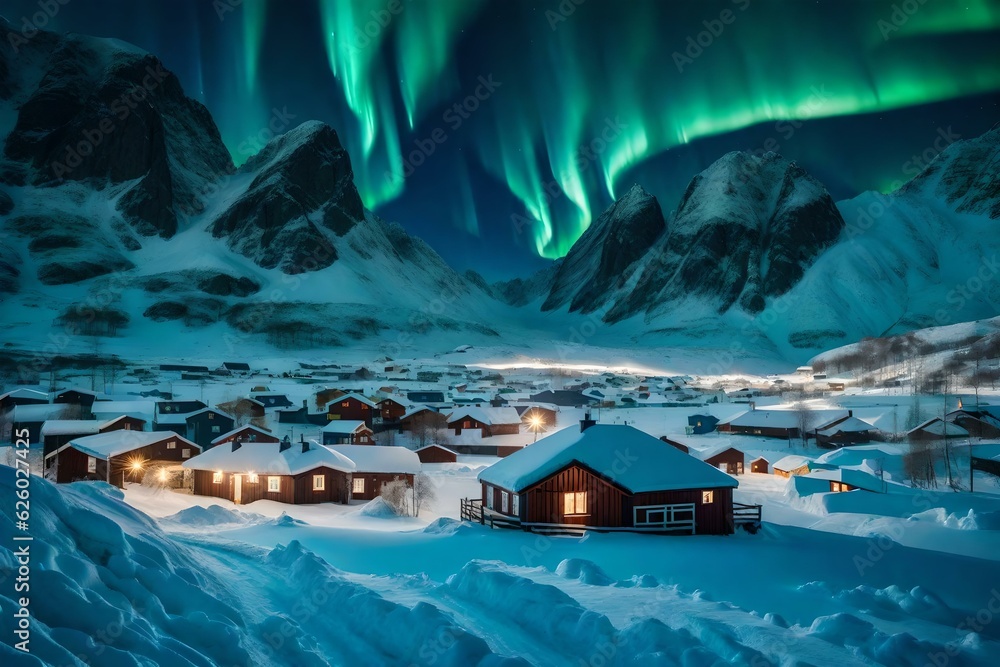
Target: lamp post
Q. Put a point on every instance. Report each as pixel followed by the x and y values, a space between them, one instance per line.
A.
pixel 536 425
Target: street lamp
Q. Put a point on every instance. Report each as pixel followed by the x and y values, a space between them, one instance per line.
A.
pixel 134 466
pixel 535 423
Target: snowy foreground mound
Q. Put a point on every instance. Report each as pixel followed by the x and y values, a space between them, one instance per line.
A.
pixel 110 586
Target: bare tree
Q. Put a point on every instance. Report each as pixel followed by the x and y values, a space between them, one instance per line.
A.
pixel 424 492
pixel 386 438
pixel 396 495
pixel 428 427
pixel 918 464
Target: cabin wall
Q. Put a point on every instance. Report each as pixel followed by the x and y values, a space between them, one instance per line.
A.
pixel 544 501
pixel 436 455
pixel 715 518
pixel 504 429
pixel 733 458
pixel 337 487
pixel 152 454
pixel 70 465
pixel 374 482
pixel 354 410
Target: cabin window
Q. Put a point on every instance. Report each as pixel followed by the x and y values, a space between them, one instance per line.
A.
pixel 504 502
pixel 489 497
pixel 186 453
pixel 273 484
pixel 516 509
pixel 467 424
pixel 345 404
pixel 575 502
pixel 253 478
pixel 319 482
pixel 91 464
pixel 836 487
pixel 216 478
pixel 739 467
pixel 172 444
pixel 215 429
pixel 211 415
pixel 707 497
pixel 358 485
pixel 128 427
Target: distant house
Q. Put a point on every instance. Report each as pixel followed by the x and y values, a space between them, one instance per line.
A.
pixel 793 464
pixel 391 410
pixel 118 456
pixel 701 424
pixel 488 421
pixel 436 454
pixel 564 398
pixel 978 423
pixel 271 400
pixel 936 429
pixel 530 412
pixel 57 432
pixel 297 473
pixel 348 432
pixel 376 466
pixel 144 410
pixel 837 480
pixel 202 426
pixel 352 406
pixel 245 434
pixel 760 464
pixel 576 477
pixel 244 408
pixel 425 396
pixel 22 396
pixel 236 366
pixel 81 397
pixel 419 415
pixel 30 417
pixel 843 431
pixel 768 423
pixel 727 459
pixel 178 407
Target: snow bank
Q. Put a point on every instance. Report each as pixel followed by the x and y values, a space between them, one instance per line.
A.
pixel 421 635
pixel 900 649
pixel 109 588
pixel 378 509
pixel 213 515
pixel 584 570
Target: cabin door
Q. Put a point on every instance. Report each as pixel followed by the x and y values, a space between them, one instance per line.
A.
pixel 237 489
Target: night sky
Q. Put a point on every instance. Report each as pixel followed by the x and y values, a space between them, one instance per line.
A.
pixel 561 106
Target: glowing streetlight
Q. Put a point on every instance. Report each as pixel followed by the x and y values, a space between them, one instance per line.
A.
pixel 535 423
pixel 135 465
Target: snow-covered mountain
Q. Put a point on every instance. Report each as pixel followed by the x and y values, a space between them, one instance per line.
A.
pixel 123 212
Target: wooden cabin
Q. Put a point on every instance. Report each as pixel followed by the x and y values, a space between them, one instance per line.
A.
pixel 766 423
pixel 978 423
pixel 488 421
pixel 760 464
pixel 22 396
pixel 117 456
pixel 609 476
pixel 245 435
pixel 352 407
pixel 295 473
pixel 391 410
pixel 31 416
pixel 376 466
pixel 419 416
pixel 701 424
pixel 726 458
pixel 436 454
pixel 936 429
pixel 244 407
pixel 271 400
pixel 348 432
pixel 844 431
pixel 57 432
pixel 81 397
pixel 792 464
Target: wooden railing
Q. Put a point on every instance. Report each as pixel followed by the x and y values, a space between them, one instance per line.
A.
pixel 678 517
pixel 747 516
pixel 472 510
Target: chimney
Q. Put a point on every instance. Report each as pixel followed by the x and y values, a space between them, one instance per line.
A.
pixel 586 422
pixel 305 444
pixel 285 444
pixel 850 413
pixel 236 445
pixel 753 405
pixel 305 403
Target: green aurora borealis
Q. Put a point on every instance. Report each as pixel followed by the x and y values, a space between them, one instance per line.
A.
pixel 592 95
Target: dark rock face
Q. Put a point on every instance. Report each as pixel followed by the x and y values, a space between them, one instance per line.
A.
pixel 745 230
pixel 619 238
pixel 304 187
pixel 105 115
pixel 966 173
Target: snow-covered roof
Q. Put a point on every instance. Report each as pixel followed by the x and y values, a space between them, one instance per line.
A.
pixel 416 408
pixel 791 462
pixel 344 426
pixel 629 457
pixel 38 412
pixel 849 425
pixel 789 419
pixel 709 452
pixel 858 478
pixel 436 446
pixel 24 392
pixel 351 394
pixel 71 426
pixel 115 443
pixel 140 409
pixel 268 459
pixel 375 458
pixel 245 427
pixel 935 426
pixel 490 416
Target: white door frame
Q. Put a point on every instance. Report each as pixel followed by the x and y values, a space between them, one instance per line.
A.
pixel 237 489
